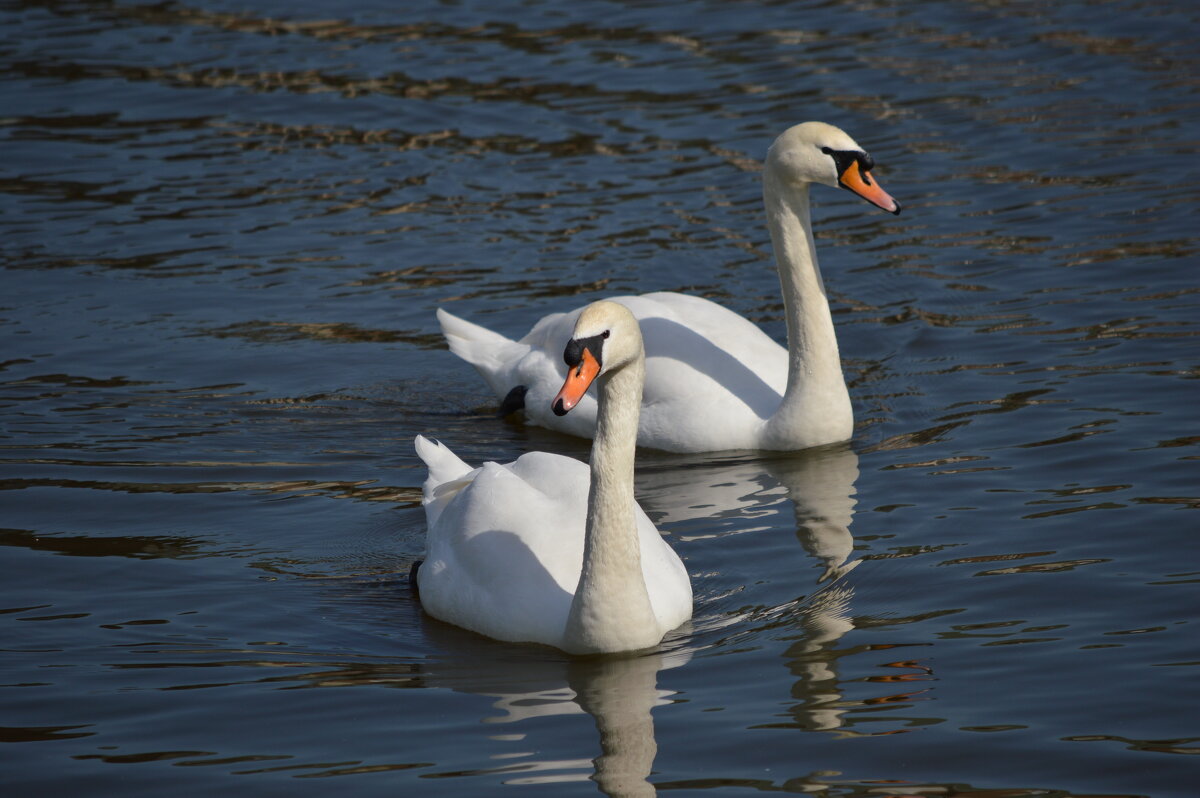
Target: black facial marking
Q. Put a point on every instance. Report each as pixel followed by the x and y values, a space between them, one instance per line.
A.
pixel 843 159
pixel 573 354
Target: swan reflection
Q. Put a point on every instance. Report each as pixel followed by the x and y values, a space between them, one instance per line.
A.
pixel 820 486
pixel 531 684
pixel 819 483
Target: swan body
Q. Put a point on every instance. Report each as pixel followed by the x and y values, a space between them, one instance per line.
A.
pixel 547 549
pixel 714 380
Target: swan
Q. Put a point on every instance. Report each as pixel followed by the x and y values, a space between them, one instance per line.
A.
pixel 545 549
pixel 714 380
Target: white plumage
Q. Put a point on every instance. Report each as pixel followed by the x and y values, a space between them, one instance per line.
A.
pixel 511 552
pixel 714 380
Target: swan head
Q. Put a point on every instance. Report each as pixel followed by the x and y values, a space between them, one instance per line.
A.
pixel 814 152
pixel 606 338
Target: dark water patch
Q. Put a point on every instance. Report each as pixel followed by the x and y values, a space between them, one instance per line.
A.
pixel 277 331
pixel 82 546
pixel 39 734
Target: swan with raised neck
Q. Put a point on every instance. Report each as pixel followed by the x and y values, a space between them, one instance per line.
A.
pixel 815 408
pixel 546 550
pixel 714 380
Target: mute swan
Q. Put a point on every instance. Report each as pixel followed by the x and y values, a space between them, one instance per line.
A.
pixel 713 379
pixel 509 553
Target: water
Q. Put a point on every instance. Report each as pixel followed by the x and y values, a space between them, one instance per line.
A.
pixel 225 228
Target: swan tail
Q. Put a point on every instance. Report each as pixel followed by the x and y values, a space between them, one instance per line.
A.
pixel 492 355
pixel 448 475
pixel 444 465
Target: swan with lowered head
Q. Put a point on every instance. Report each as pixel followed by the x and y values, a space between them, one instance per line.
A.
pixel 714 380
pixel 546 549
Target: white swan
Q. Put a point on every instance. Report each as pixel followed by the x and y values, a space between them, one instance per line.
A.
pixel 544 549
pixel 713 379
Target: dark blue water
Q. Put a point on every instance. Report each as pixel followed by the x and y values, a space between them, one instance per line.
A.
pixel 224 229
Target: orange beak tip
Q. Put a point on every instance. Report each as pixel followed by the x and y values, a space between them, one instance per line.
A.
pixel 578 379
pixel 862 185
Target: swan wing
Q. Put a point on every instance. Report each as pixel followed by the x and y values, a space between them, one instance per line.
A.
pixel 712 376
pixel 503 555
pixel 505 547
pixel 698 327
pixel 667 580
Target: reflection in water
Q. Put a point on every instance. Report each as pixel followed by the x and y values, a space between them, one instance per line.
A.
pixel 619 694
pixel 819 483
pixel 821 487
pixel 531 683
pixel 824 620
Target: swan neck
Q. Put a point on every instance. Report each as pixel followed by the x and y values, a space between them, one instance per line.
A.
pixel 611 608
pixel 619 398
pixel 814 382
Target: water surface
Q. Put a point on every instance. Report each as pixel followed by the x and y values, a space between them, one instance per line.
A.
pixel 224 229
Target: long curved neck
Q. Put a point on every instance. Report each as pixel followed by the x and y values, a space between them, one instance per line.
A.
pixel 611 608
pixel 816 391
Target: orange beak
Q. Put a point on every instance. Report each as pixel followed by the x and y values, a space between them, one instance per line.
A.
pixel 861 184
pixel 578 379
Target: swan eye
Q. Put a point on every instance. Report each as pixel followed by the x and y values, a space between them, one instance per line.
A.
pixel 573 354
